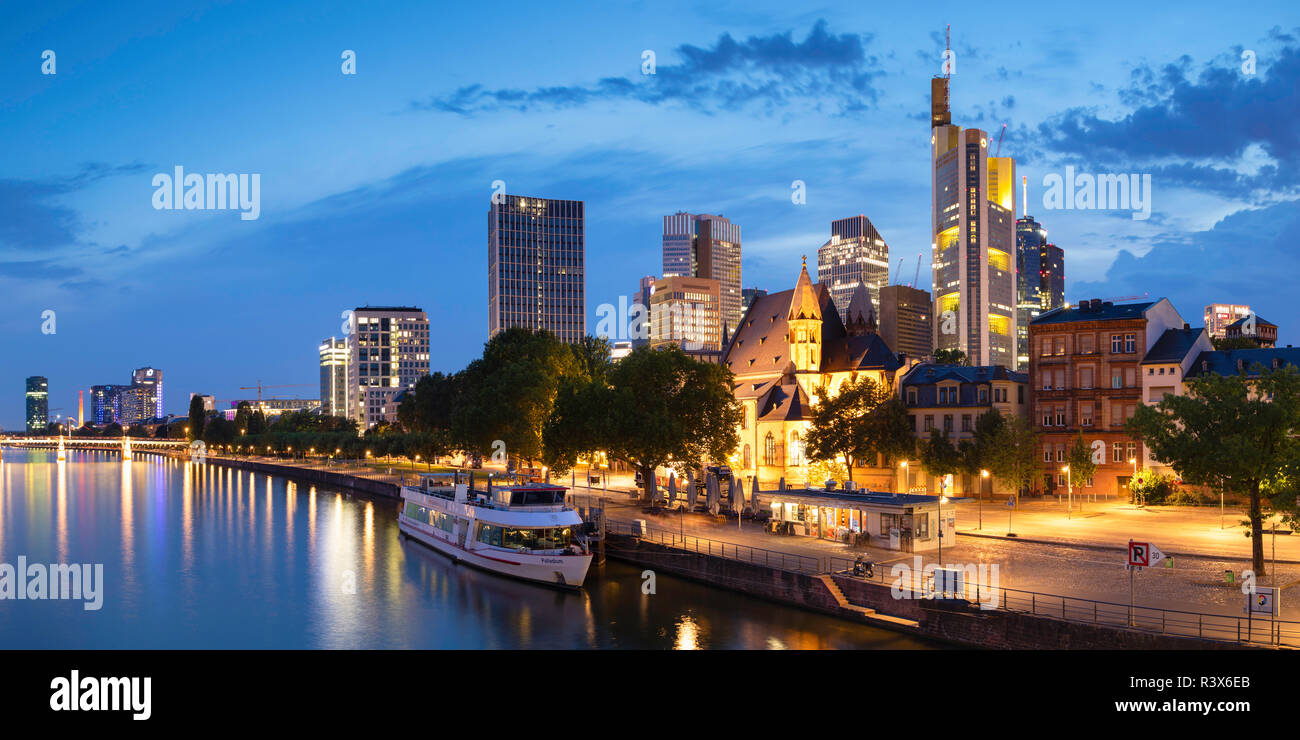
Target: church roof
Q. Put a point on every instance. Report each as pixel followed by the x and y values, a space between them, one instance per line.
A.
pixel 805 303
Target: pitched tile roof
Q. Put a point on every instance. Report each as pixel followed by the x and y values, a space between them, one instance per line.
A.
pixel 1224 362
pixel 1084 312
pixel 1173 345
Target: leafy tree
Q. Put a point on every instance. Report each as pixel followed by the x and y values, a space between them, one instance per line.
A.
pixel 218 431
pixel 197 417
pixel 592 357
pixel 1013 456
pixel 1229 343
pixel 938 457
pixel 659 407
pixel 113 430
pixel 1234 433
pixel 860 421
pixel 430 404
pixel 950 357
pixel 977 453
pixel 1079 458
pixel 510 390
pixel 244 418
pixel 137 430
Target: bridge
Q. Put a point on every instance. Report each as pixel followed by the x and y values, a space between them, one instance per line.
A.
pixel 125 445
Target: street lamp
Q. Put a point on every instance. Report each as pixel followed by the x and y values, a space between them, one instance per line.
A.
pixel 984 476
pixel 942 500
pixel 1133 480
pixel 903 465
pixel 1069 485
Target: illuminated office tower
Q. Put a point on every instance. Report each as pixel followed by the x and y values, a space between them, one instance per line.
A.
pixel 536 266
pixel 1219 315
pixel 706 246
pixel 334 377
pixel 855 254
pixel 974 240
pixel 1040 281
pixel 38 403
pixel 151 380
pixel 388 351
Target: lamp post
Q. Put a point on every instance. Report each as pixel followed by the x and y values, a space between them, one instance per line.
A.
pixel 905 487
pixel 942 500
pixel 1133 481
pixel 1069 488
pixel 984 476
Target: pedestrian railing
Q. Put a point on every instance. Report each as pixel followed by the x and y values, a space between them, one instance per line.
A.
pixel 1247 629
pixel 727 550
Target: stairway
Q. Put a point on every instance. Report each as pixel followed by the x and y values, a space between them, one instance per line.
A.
pixel 871 614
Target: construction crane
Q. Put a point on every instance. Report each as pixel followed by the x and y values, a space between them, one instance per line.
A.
pixel 259 388
pixel 1000 133
pixel 917 275
pixel 898 272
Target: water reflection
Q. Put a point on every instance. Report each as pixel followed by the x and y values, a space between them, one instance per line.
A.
pixel 189 562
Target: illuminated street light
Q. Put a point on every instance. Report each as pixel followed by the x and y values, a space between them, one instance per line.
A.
pixel 1069 507
pixel 984 476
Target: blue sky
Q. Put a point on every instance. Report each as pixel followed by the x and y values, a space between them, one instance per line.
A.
pixel 375 187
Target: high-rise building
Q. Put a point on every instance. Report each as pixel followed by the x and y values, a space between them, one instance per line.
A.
pixel 151 380
pixel 1040 281
pixel 105 403
pixel 38 403
pixel 686 311
pixel 748 296
pixel 639 327
pixel 1218 316
pixel 334 377
pixel 536 266
pixel 706 246
pixel 136 404
pixel 854 254
pixel 905 322
pixel 388 351
pixel 973 226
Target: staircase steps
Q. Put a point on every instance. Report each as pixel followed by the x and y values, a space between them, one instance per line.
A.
pixel 871 614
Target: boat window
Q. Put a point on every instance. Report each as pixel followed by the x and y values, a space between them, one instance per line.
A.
pixel 536 538
pixel 529 497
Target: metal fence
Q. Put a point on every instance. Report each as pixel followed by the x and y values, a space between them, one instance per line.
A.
pixel 727 550
pixel 1231 628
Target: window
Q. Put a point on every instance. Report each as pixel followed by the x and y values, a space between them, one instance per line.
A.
pixel 1047 417
pixel 1132 450
pixel 1085 344
pixel 929 422
pixel 965 422
pixel 1047 453
pixel 1117 452
pixel 1020 394
pixel 796 451
pixel 1116 343
pixel 1085 377
pixel 943 396
pixel 1116 379
pixel 984 395
pixel 1060 416
pixel 911 396
pixel 1060 453
pixel 1059 344
pixel 1130 343
pixel 1047 380
pixel 947 422
pixel 922 526
pixel 1085 415
pixel 748 457
pixel 769 450
pixel 888 522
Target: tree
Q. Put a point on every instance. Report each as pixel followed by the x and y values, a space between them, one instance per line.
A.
pixel 592 357
pixel 938 457
pixel 218 431
pixel 977 453
pixel 860 421
pixel 1229 343
pixel 509 392
pixel 113 430
pixel 197 416
pixel 429 405
pixel 1235 433
pixel 244 417
pixel 659 407
pixel 1014 454
pixel 950 357
pixel 1079 458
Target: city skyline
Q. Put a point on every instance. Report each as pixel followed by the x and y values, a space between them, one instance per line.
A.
pixel 81 240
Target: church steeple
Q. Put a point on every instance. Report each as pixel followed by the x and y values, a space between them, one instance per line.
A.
pixel 860 318
pixel 805 324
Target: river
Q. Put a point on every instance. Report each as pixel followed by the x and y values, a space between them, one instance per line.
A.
pixel 202 556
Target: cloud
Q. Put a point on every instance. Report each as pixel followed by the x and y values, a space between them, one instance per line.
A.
pixel 1197 128
pixel 31 219
pixel 761 71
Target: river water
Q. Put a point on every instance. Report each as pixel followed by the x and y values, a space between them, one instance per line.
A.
pixel 201 556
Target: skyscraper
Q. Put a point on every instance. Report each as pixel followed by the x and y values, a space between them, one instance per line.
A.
pixel 38 404
pixel 685 311
pixel 706 246
pixel 639 327
pixel 973 226
pixel 1040 281
pixel 905 322
pixel 151 380
pixel 334 377
pixel 1219 315
pixel 855 253
pixel 388 351
pixel 105 403
pixel 536 266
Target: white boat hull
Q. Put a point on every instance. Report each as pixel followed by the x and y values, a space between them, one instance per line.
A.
pixel 567 571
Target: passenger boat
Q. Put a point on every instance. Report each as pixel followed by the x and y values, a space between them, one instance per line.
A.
pixel 499 523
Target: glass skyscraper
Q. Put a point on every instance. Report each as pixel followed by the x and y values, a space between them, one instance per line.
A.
pixel 706 246
pixel 38 404
pixel 1040 281
pixel 855 253
pixel 536 266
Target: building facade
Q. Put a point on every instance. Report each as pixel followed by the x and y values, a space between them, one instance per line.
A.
pixel 639 321
pixel 905 321
pixel 706 246
pixel 791 348
pixel 855 253
pixel 150 380
pixel 973 226
pixel 1087 377
pixel 1040 281
pixel 686 311
pixel 1218 316
pixel 37 401
pixel 388 351
pixel 1257 329
pixel 537 266
pixel 334 385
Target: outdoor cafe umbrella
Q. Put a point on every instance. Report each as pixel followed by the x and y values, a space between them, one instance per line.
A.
pixel 651 487
pixel 738 497
pixel 672 488
pixel 714 494
pixel 691 493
